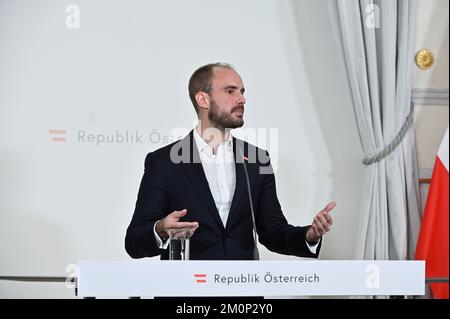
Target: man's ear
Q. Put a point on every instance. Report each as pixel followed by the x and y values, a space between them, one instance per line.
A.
pixel 202 99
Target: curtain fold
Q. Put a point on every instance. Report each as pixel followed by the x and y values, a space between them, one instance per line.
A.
pixel 378 43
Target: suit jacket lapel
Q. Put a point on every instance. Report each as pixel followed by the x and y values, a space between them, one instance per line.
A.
pixel 194 171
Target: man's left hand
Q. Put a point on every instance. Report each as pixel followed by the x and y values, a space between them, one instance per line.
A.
pixel 321 224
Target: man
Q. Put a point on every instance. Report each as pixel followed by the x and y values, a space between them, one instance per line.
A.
pixel 200 183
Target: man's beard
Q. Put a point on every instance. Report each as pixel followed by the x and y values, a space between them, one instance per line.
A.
pixel 223 120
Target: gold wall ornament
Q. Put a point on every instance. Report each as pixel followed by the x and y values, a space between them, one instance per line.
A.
pixel 425 59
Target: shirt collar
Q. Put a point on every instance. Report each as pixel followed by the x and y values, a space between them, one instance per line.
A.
pixel 202 145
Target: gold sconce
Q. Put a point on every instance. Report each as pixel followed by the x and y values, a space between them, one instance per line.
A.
pixel 425 59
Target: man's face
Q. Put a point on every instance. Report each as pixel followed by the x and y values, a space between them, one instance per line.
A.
pixel 226 109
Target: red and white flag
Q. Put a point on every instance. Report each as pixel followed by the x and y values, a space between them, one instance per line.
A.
pixel 432 245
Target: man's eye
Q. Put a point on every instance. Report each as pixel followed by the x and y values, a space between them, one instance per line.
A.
pixel 230 91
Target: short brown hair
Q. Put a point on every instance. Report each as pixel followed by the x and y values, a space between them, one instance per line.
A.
pixel 201 80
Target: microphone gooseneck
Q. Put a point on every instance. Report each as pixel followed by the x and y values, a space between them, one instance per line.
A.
pixel 255 235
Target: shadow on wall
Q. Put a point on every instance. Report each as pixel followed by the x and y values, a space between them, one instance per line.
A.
pixel 315 55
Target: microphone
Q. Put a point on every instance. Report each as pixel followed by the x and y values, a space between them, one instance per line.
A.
pixel 255 234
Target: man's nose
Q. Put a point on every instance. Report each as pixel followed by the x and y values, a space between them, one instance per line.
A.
pixel 241 100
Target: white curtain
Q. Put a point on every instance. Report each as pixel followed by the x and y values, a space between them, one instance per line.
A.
pixel 378 42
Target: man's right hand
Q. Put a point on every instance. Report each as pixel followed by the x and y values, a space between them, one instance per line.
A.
pixel 171 221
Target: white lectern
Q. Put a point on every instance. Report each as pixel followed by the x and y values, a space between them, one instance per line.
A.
pixel 148 278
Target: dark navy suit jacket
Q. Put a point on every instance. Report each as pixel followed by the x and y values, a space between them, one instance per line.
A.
pixel 174 180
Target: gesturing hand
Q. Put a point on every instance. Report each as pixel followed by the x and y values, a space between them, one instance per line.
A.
pixel 171 221
pixel 321 224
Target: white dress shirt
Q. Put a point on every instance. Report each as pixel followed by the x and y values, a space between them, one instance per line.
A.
pixel 220 172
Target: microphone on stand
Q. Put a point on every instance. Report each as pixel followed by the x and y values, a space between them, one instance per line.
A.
pixel 255 234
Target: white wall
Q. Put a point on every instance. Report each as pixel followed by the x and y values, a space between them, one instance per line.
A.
pixel 432 33
pixel 127 68
pixel 431 120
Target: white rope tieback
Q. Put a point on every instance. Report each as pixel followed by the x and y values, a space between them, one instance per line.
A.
pixel 393 145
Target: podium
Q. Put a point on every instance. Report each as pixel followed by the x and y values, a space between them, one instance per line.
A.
pixel 149 278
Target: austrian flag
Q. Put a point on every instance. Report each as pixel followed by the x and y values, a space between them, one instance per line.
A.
pixel 432 245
